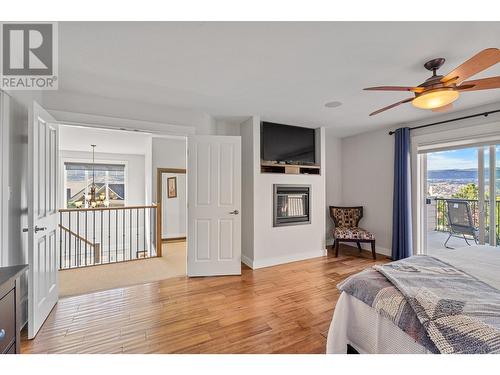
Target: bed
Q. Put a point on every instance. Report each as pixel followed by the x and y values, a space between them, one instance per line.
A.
pixel 359 325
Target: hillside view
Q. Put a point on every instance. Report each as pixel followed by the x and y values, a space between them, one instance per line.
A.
pixel 454 173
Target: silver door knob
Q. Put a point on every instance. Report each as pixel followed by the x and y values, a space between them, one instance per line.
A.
pixel 2 334
pixel 38 229
pixel 235 212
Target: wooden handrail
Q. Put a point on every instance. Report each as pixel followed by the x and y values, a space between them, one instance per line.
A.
pixel 77 235
pixel 104 208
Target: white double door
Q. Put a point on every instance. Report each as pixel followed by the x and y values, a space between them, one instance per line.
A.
pixel 214 204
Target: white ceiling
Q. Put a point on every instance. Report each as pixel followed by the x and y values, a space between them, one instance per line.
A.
pixel 283 71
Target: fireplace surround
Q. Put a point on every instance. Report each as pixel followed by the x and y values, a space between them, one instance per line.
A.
pixel 291 204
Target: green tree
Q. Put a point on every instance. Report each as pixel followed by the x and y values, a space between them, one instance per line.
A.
pixel 469 191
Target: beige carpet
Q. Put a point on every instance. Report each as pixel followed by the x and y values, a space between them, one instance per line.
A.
pixel 111 276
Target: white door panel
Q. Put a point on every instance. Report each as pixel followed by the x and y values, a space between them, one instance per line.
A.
pixel 214 202
pixel 42 217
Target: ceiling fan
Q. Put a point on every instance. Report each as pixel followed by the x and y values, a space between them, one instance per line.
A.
pixel 439 92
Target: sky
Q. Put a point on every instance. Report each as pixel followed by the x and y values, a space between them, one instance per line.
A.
pixel 465 158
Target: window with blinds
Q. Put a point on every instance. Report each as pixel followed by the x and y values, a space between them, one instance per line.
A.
pixel 109 180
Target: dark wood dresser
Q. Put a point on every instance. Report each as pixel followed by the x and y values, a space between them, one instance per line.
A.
pixel 10 310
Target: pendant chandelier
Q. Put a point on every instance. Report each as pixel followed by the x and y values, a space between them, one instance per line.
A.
pixel 92 199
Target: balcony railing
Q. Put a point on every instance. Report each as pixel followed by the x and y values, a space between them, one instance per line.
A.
pixel 441 218
pixel 92 236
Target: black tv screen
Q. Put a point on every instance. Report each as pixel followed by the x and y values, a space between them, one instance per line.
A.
pixel 285 143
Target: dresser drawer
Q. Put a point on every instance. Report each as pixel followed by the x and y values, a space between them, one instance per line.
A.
pixel 7 320
pixel 12 349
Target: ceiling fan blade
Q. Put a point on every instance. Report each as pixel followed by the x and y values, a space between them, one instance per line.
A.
pixel 480 84
pixel 474 65
pixel 391 106
pixel 464 87
pixel 444 108
pixel 395 88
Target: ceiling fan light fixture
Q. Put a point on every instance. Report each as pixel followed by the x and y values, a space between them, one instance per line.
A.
pixel 436 98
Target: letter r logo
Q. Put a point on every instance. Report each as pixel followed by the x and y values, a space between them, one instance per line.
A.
pixel 27 49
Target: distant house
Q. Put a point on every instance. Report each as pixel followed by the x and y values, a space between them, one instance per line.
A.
pixel 116 193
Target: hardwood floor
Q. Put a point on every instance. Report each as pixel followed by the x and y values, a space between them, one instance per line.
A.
pixel 281 309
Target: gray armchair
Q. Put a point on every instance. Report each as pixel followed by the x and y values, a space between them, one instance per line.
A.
pixel 460 221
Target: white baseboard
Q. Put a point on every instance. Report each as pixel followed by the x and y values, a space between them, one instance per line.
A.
pixel 383 251
pixel 246 260
pixel 262 263
pixel 378 249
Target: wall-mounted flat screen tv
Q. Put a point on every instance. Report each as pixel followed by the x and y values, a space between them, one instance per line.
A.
pixel 286 143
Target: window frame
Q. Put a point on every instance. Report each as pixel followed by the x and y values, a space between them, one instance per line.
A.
pixel 65 160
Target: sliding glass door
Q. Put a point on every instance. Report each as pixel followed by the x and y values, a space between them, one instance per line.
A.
pixel 489 190
pixel 461 205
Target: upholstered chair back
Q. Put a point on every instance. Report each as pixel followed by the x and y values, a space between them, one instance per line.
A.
pixel 346 216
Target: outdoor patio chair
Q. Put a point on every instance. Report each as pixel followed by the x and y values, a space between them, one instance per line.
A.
pixel 460 222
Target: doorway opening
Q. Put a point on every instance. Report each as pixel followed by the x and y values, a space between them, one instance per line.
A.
pixel 462 198
pixel 171 198
pixel 108 217
pixel 213 221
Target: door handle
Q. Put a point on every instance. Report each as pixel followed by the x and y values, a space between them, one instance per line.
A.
pixel 235 212
pixel 2 334
pixel 37 229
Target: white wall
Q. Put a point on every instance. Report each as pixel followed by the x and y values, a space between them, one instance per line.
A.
pixel 333 178
pixel 4 177
pixel 17 122
pixel 171 152
pixel 367 180
pixel 276 245
pixel 229 126
pixel 174 210
pixel 168 152
pixel 249 133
